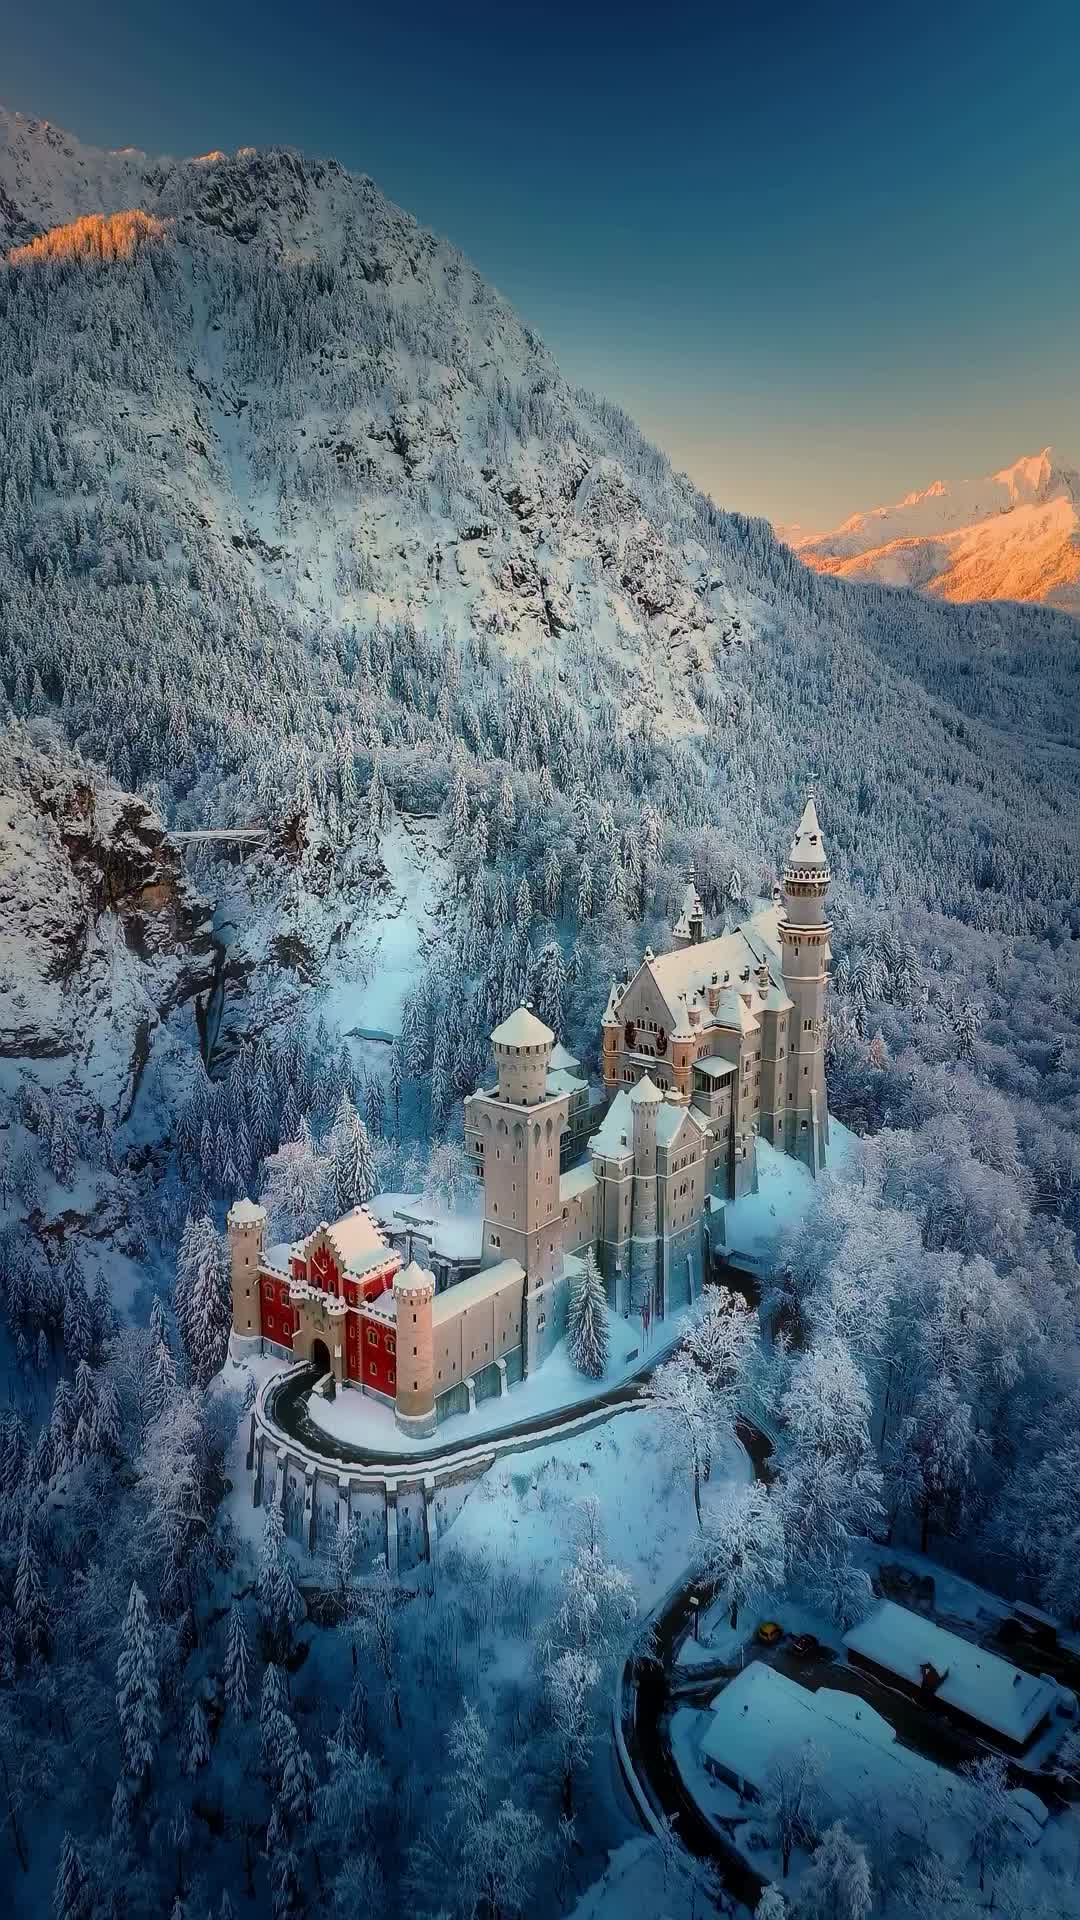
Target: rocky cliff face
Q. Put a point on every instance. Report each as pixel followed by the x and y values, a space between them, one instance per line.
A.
pixel 103 942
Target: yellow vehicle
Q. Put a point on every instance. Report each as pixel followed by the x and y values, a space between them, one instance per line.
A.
pixel 769 1632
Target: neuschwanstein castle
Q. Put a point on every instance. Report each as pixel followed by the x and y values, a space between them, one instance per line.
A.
pixel 708 1046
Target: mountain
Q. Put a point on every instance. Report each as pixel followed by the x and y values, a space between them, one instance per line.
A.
pixel 303 529
pixel 1014 535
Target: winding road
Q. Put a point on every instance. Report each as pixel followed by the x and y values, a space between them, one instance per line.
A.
pixel 647 1706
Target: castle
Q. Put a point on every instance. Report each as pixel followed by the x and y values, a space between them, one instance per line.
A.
pixel 707 1047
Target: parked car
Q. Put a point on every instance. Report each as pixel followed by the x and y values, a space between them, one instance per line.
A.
pixel 769 1632
pixel 806 1646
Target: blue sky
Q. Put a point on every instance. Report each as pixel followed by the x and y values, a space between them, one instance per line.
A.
pixel 823 253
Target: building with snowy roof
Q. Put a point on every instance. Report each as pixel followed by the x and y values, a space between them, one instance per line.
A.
pixel 702 1047
pixel 729 1033
pixel 971 1685
pixel 763 1719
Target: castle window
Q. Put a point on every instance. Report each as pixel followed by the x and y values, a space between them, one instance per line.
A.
pixel 372 1337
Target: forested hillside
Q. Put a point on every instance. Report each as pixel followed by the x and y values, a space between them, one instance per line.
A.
pixel 302 528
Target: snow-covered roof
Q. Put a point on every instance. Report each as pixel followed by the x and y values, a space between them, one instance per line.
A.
pixel 975 1682
pixel 764 1717
pixel 673 1119
pixel 808 847
pixel 357 1240
pixel 616 1130
pixel 577 1180
pixel 245 1213
pixel 714 1069
pixel 646 1093
pixel 685 974
pixel 276 1259
pixel 414 1275
pixel 562 1082
pixel 479 1286
pixel 522 1029
pixel 562 1059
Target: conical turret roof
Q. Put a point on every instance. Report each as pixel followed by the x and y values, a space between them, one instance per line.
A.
pixel 522 1029
pixel 808 847
pixel 646 1090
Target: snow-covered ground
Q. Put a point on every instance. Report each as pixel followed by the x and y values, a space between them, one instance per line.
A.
pixel 385 952
pixel 523 1510
pixel 454 1233
pixel 361 1420
pixel 755 1225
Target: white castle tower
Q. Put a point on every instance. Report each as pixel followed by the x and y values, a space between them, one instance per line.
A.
pixel 804 941
pixel 414 1401
pixel 245 1226
pixel 518 1127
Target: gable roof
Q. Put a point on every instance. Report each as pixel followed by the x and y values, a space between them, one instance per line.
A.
pixel 615 1133
pixel 357 1239
pixel 974 1681
pixel 563 1061
pixel 683 975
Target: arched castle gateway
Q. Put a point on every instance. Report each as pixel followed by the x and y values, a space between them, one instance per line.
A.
pixel 705 1047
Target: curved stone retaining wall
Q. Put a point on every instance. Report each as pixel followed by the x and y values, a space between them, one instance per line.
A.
pixel 312 1487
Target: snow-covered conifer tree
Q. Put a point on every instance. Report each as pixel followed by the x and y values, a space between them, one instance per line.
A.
pixel 273 1708
pixel 587 1319
pixel 137 1689
pixel 73 1897
pixel 237 1693
pixel 31 1603
pixel 196 1739
pixel 281 1607
pixel 352 1174
pixel 205 1332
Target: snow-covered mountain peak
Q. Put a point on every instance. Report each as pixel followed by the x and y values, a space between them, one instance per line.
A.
pixel 1028 478
pixel 1014 534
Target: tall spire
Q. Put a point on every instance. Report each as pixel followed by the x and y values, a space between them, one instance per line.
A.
pixel 808 846
pixel 689 928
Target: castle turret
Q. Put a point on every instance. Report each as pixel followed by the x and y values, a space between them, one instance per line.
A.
pixel 689 928
pixel 804 939
pixel 522 1048
pixel 515 1131
pixel 414 1397
pixel 246 1229
pixel 646 1101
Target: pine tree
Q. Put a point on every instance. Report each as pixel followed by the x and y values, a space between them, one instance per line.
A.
pixel 586 1319
pixel 108 1420
pixel 237 1695
pixel 209 1308
pixel 78 1319
pixel 103 1312
pixel 197 1739
pixel 120 1821
pixel 72 1894
pixel 273 1708
pixel 31 1604
pixel 159 1387
pixel 353 1176
pixel 375 1108
pixel 281 1607
pixel 137 1689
